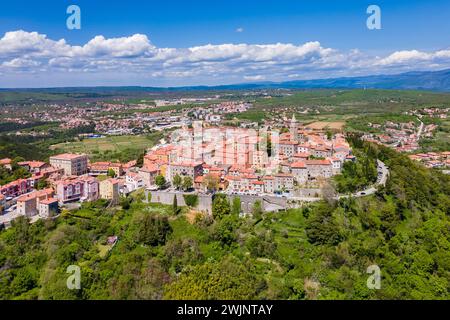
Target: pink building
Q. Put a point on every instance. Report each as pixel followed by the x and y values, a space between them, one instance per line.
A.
pixel 16 188
pixel 83 188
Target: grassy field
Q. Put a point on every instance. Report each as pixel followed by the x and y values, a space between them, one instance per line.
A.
pixel 441 139
pixel 112 143
pixel 121 148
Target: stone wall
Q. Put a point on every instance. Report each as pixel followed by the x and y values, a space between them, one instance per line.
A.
pixel 166 197
pixel 205 201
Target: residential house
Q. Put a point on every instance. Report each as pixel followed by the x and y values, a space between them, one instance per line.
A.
pixel 48 208
pixel 83 188
pixel 148 174
pixel 299 171
pixel 319 169
pixel 269 184
pixel 284 182
pixel 28 205
pixel 133 181
pixel 109 190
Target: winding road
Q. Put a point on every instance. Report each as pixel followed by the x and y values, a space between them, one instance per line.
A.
pixel 383 173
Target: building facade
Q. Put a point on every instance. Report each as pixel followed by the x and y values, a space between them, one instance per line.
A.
pixel 72 164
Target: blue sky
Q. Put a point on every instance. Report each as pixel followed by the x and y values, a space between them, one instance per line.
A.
pixel 323 35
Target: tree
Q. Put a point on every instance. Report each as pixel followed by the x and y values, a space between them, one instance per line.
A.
pixel 236 206
pixel 125 203
pixel 152 229
pixel 224 230
pixel 329 134
pixel 220 206
pixel 111 173
pixel 175 205
pixel 211 182
pixel 42 184
pixel 177 181
pixel 140 159
pixel 160 181
pixel 191 200
pixel 187 183
pixel 257 210
pixel 322 227
pixel 262 245
pixel 328 193
pixel 228 279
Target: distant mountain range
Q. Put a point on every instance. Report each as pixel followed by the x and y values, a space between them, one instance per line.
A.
pixel 417 80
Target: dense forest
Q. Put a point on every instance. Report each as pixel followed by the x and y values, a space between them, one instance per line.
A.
pixel 321 251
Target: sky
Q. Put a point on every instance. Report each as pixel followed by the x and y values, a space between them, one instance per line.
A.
pixel 197 42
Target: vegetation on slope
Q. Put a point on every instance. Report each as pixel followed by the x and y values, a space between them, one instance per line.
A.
pixel 321 251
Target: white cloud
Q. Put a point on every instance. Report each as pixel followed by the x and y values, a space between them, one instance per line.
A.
pixel 412 57
pixel 126 47
pixel 20 63
pixel 255 78
pixel 240 29
pixel 137 58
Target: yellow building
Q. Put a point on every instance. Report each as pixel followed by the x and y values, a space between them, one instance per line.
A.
pixel 109 190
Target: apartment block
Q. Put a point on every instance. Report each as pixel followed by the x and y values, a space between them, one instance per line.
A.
pixel 185 169
pixel 72 164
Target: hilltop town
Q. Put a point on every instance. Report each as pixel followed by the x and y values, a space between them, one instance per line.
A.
pixel 260 181
pixel 207 145
pixel 200 160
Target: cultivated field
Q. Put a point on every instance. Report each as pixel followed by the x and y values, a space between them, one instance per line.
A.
pixel 320 125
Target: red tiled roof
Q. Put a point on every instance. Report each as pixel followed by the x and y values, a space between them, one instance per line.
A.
pixel 318 162
pixel 298 165
pixel 32 164
pixel 150 168
pixel 5 161
pixel 49 201
pixel 67 156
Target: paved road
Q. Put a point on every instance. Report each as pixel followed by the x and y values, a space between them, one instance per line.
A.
pixel 383 173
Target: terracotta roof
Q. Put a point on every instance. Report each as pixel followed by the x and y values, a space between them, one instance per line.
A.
pixel 49 201
pixel 258 182
pixel 5 161
pixel 32 164
pixel 318 162
pixel 302 155
pixel 150 168
pixel 130 164
pixel 298 165
pixel 233 178
pixel 112 180
pixel 67 156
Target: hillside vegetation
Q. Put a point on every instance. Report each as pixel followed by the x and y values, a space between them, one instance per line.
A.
pixel 321 251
